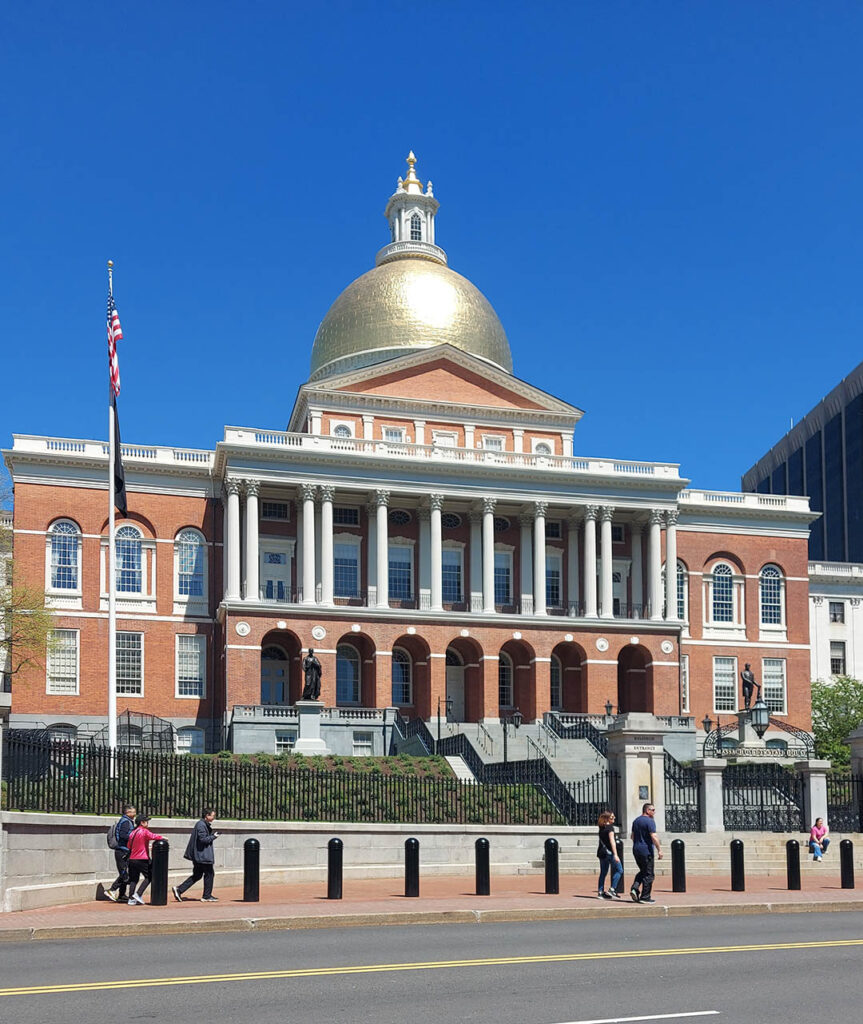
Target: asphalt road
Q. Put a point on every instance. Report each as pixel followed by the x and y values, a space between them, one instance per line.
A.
pixel 686 970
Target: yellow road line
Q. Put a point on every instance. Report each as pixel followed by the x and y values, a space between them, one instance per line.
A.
pixel 431 965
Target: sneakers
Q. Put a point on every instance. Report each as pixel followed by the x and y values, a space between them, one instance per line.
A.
pixel 176 893
pixel 614 894
pixel 634 894
pixel 138 899
pixel 646 899
pixel 209 899
pixel 111 894
pixel 604 895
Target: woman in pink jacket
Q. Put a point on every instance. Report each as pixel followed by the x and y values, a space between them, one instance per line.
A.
pixel 139 858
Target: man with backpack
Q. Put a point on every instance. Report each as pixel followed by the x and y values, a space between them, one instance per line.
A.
pixel 118 841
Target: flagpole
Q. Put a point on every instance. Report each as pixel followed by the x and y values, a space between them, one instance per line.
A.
pixel 112 564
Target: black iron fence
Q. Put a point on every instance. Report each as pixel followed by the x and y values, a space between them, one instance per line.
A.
pixel 845 803
pixel 682 812
pixel 762 798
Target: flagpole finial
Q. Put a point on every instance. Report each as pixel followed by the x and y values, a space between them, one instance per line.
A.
pixel 110 264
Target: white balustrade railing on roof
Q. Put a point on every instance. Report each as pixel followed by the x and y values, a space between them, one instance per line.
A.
pixel 850 569
pixel 789 502
pixel 446 453
pixel 157 454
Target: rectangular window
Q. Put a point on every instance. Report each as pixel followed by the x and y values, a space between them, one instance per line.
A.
pixel 130 659
pixel 492 442
pixel 274 510
pixel 363 744
pixel 191 664
pixel 275 575
pixel 502 578
pixel 64 558
pixel 552 529
pixel 62 675
pixel 616 533
pixel 190 566
pixel 285 742
pixel 130 579
pixel 552 582
pixel 837 657
pixel 344 515
pixel 401 562
pixel 346 570
pixel 190 741
pixel 837 611
pixel 556 695
pixel 684 684
pixel 451 576
pixel 395 435
pixel 725 684
pixel 773 684
pixel 443 439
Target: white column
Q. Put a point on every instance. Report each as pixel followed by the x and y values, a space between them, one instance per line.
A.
pixel 635 531
pixel 317 423
pixel 671 565
pixel 419 431
pixel 253 556
pixel 606 594
pixel 382 499
pixel 526 564
pixel 224 556
pixel 488 505
pixel 233 552
pixel 518 440
pixel 469 429
pixel 368 428
pixel 436 504
pixel 371 555
pixel 425 558
pixel 567 445
pixel 654 564
pixel 590 514
pixel 327 494
pixel 572 595
pixel 475 560
pixel 539 510
pixel 307 492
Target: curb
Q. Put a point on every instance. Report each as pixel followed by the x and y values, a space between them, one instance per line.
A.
pixel 272 924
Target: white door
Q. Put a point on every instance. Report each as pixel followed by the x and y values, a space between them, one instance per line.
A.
pixel 455 691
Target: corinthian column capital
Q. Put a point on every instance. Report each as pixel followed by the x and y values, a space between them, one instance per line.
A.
pixel 671 517
pixel 606 513
pixel 591 511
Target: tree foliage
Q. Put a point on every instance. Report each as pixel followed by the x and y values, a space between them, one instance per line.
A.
pixel 25 622
pixel 837 710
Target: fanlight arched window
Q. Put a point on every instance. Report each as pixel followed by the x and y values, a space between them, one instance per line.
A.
pixel 504 680
pixel 401 677
pixel 65 541
pixel 723 593
pixel 191 563
pixel 129 561
pixel 542 448
pixel 556 684
pixel 342 430
pixel 274 676
pixel 347 674
pixel 190 740
pixel 770 591
pixel 63 731
pixel 416 228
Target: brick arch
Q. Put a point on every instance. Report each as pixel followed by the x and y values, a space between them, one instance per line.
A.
pixel 368 669
pixel 573 680
pixel 419 651
pixel 634 679
pixel 724 556
pixel 523 676
pixel 133 519
pixel 475 676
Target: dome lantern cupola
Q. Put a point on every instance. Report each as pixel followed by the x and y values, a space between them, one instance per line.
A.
pixel 411 213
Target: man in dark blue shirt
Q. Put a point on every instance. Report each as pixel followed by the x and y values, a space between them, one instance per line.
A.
pixel 122 830
pixel 644 842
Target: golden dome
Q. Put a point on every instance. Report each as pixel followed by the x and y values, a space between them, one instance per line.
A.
pixel 405 305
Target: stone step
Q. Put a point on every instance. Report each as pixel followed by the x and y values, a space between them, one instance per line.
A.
pixel 460 768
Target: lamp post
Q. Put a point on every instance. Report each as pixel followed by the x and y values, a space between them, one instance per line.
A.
pixel 707 723
pixel 447 710
pixel 609 707
pixel 759 716
pixel 516 718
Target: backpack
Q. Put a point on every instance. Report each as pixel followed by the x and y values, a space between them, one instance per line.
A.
pixel 112 837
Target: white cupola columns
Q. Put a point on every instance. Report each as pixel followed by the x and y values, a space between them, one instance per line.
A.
pixel 411 213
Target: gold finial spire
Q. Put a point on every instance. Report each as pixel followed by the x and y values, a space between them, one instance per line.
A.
pixel 412 183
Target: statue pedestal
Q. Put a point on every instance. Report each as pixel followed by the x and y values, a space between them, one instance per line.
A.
pixel 309 734
pixel 747 737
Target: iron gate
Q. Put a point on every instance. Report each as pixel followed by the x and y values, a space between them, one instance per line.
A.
pixel 762 798
pixel 681 797
pixel 845 803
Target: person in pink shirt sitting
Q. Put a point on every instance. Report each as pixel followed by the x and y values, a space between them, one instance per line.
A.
pixel 818 841
pixel 139 858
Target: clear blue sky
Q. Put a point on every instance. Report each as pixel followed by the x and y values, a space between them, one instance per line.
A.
pixel 662 201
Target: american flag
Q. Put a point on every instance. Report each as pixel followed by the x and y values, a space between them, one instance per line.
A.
pixel 115 334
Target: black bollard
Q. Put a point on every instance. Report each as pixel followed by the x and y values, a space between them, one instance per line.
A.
pixel 412 867
pixel 334 869
pixel 159 883
pixel 738 880
pixel 483 879
pixel 792 863
pixel 678 865
pixel 552 867
pixel 618 843
pixel 846 863
pixel 251 871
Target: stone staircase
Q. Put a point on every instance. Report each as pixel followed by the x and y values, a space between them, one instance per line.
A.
pixel 460 768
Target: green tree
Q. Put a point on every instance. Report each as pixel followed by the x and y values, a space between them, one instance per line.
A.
pixel 837 710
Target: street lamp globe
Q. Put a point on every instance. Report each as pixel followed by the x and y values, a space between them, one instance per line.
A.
pixel 760 717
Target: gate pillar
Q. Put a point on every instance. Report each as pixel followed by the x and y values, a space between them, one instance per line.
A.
pixel 710 792
pixel 814 774
pixel 636 750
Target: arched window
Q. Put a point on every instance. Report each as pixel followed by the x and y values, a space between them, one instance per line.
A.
pixel 347 674
pixel 779 745
pixel 682 592
pixel 402 691
pixel 342 430
pixel 542 448
pixel 770 590
pixel 190 740
pixel 129 574
pixel 191 564
pixel 65 543
pixel 453 658
pixel 504 680
pixel 723 593
pixel 130 737
pixel 556 688
pixel 63 731
pixel 274 676
pixel 416 228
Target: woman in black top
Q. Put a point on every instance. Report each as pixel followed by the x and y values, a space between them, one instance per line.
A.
pixel 608 859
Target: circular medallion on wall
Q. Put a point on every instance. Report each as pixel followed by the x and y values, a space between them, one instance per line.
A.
pixel 465 632
pixel 667 646
pixel 516 636
pixel 568 637
pixel 355 628
pixel 633 639
pixel 243 628
pixel 318 632
pixel 281 624
pixel 602 644
pixel 412 630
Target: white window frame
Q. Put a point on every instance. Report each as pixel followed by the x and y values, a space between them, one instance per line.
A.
pixel 406 544
pixel 201 644
pixel 191 601
pixel 393 430
pixel 48 668
pixel 734 700
pixel 783 684
pixel 505 551
pixel 190 730
pixel 130 602
pixel 736 628
pixel 132 632
pixel 284 741
pixel 362 743
pixel 354 519
pixel 537 442
pixel 445 438
pixel 844 671
pixel 342 425
pixel 410 683
pixel 554 560
pixel 278 546
pixel 772 630
pixel 493 442
pixel 62 597
pixel 458 548
pixel 275 519
pixel 842 612
pixel 348 540
pixel 504 660
pixel 618 533
pixel 684 684
pixel 359 696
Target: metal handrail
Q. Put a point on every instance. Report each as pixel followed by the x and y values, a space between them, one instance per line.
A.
pixel 485 739
pixel 546 739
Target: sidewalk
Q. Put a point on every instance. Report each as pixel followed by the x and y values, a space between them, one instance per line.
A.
pixel 443 899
